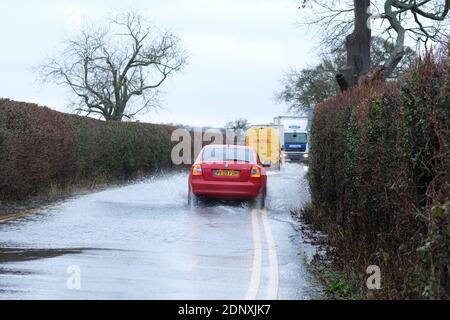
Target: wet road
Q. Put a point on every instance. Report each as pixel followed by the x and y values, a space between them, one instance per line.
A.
pixel 143 241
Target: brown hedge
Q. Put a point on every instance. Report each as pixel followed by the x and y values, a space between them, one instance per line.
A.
pixel 40 147
pixel 379 178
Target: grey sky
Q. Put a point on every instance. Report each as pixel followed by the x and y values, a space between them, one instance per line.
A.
pixel 238 50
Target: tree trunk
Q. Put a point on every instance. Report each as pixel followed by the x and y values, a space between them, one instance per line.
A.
pixel 358 48
pixel 119 110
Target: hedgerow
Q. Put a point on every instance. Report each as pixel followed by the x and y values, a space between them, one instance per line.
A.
pixel 40 147
pixel 379 177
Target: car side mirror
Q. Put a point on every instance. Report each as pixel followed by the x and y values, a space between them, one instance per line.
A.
pixel 267 164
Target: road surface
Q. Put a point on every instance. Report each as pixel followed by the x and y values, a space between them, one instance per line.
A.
pixel 143 241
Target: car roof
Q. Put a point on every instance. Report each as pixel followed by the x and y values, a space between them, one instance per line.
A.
pixel 228 146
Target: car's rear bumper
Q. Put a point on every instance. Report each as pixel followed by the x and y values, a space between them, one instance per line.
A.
pixel 223 189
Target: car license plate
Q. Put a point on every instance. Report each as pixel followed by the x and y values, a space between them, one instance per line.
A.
pixel 226 173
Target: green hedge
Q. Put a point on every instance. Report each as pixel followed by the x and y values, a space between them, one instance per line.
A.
pixel 379 178
pixel 40 147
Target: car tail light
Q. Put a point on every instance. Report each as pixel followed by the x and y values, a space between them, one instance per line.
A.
pixel 256 172
pixel 197 170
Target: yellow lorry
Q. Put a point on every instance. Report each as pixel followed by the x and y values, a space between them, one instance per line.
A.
pixel 266 140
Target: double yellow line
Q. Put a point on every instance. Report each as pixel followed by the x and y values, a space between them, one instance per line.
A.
pixel 255 280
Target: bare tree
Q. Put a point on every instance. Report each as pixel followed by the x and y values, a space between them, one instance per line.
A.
pixel 347 21
pixel 397 11
pixel 116 71
pixel 237 125
pixel 303 89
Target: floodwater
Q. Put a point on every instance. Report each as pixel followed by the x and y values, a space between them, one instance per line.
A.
pixel 143 241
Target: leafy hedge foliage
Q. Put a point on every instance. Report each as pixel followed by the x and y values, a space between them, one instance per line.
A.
pixel 379 178
pixel 40 147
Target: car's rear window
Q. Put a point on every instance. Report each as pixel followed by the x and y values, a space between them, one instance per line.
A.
pixel 228 154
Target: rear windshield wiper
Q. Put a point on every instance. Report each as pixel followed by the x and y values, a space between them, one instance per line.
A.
pixel 238 160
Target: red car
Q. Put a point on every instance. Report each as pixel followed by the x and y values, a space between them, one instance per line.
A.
pixel 228 171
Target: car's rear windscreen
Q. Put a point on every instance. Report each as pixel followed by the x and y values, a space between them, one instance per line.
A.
pixel 228 154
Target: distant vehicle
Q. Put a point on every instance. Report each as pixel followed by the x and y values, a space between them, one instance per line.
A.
pixel 265 139
pixel 228 171
pixel 295 137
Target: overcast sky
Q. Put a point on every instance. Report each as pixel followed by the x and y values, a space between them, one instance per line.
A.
pixel 238 51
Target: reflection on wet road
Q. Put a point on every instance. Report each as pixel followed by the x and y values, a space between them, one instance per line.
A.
pixel 144 242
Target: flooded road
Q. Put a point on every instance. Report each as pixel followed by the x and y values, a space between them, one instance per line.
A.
pixel 143 241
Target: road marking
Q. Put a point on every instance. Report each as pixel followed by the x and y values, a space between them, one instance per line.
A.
pixel 257 260
pixel 20 214
pixel 272 293
pixel 15 216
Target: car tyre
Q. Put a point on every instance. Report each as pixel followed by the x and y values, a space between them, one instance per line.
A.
pixel 260 201
pixel 192 199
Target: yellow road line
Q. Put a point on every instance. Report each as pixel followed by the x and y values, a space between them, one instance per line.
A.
pixel 257 260
pixel 272 293
pixel 18 215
